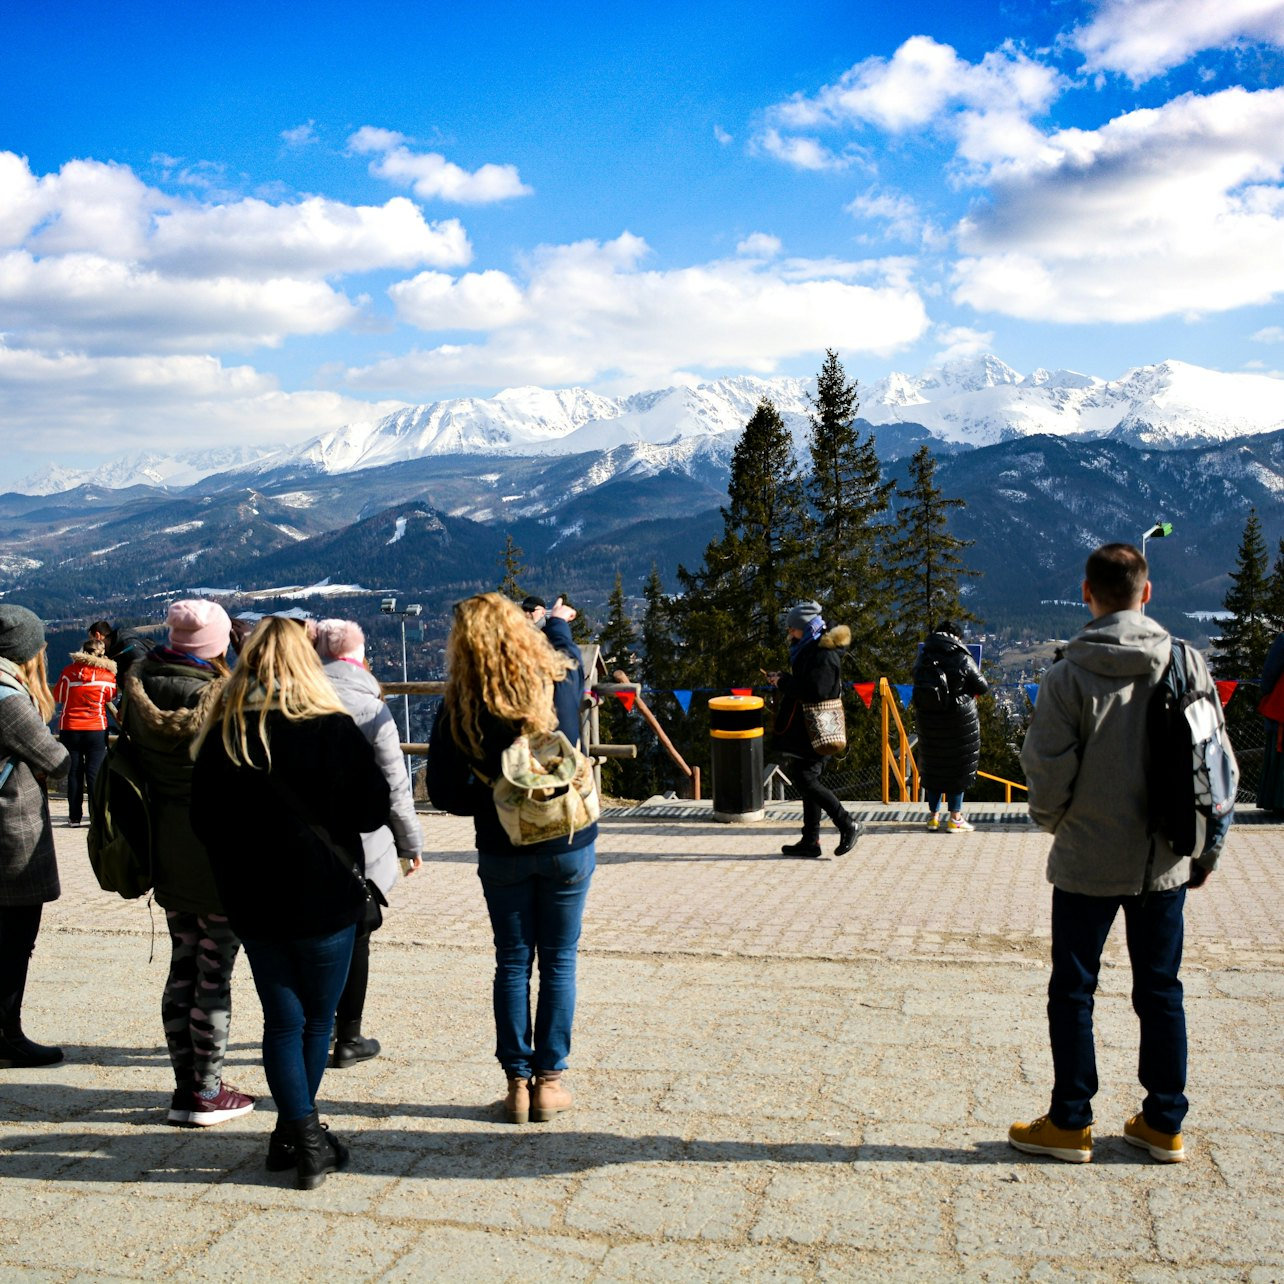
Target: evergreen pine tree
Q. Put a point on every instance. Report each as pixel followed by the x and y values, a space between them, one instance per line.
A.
pixel 618 640
pixel 849 498
pixel 1275 592
pixel 657 638
pixel 732 607
pixel 510 563
pixel 925 558
pixel 1248 633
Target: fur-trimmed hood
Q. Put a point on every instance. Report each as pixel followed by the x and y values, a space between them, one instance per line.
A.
pixel 837 638
pixel 93 661
pixel 172 724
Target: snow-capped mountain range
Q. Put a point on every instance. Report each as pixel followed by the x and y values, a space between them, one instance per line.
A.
pixel 974 402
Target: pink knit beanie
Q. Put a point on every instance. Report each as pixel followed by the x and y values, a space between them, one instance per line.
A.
pixel 340 640
pixel 198 627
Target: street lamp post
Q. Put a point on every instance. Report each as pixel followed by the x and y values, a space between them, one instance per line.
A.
pixel 1159 530
pixel 388 606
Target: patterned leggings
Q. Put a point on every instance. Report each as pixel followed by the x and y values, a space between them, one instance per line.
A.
pixel 196 1008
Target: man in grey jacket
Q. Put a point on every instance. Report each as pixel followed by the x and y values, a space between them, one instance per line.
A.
pixel 1085 763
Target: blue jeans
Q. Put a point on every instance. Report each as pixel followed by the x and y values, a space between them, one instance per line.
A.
pixel 1154 926
pixel 953 801
pixel 299 983
pixel 536 906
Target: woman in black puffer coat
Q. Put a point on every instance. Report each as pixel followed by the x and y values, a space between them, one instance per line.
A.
pixel 949 733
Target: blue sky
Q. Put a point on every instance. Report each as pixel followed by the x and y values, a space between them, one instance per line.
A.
pixel 236 224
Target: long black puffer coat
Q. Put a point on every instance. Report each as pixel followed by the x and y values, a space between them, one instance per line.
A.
pixel 949 739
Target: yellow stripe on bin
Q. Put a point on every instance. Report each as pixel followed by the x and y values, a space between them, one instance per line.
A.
pixel 751 733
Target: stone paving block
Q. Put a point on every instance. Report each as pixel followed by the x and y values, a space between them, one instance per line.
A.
pixel 854 1205
pixel 781 1097
pixel 1209 1273
pixel 475 1257
pixel 1219 1226
pixel 663 1201
pixel 303 1246
pixel 888 1098
pixel 1074 1212
pixel 1244 1161
pixel 648 1264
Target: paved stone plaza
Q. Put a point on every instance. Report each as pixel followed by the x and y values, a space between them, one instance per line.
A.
pixel 787 1070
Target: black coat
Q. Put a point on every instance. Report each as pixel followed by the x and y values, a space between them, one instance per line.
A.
pixel 949 739
pixel 816 674
pixel 277 880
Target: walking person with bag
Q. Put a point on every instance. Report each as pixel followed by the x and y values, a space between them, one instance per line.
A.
pixel 342 648
pixel 946 684
pixel 816 675
pixel 29 756
pixel 505 681
pixel 164 700
pixel 84 690
pixel 285 784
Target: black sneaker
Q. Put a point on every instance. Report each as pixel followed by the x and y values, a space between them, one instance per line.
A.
pixel 847 839
pixel 811 851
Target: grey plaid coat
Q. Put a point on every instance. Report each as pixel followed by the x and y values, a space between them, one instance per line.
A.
pixel 28 868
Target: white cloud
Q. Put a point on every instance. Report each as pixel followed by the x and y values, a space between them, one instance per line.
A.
pixel 301 135
pixel 1144 38
pixel 722 136
pixel 430 175
pixel 897 212
pixel 959 342
pixel 759 245
pixel 476 301
pixel 1270 334
pixel 592 313
pixel 799 151
pixel 1175 211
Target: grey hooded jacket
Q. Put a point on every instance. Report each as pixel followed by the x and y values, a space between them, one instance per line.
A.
pixel 359 691
pixel 1085 760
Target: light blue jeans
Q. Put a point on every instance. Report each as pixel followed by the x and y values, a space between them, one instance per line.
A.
pixel 536 906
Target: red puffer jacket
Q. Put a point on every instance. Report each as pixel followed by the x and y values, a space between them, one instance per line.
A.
pixel 84 688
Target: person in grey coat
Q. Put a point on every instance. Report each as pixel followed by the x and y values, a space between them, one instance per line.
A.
pixel 1085 762
pixel 29 756
pixel 342 648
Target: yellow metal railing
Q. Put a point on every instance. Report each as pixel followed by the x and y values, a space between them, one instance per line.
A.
pixel 1008 785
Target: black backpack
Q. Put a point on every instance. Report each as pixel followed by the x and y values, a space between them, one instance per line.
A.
pixel 120 827
pixel 1190 770
pixel 931 686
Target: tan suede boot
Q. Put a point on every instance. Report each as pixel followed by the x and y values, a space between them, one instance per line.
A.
pixel 517 1104
pixel 548 1097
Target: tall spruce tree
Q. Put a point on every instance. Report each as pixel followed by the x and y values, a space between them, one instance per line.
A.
pixel 849 498
pixel 657 634
pixel 925 558
pixel 1248 633
pixel 618 639
pixel 511 569
pixel 732 607
pixel 1275 592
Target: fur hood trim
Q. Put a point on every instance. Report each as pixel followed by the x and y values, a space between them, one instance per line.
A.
pixel 839 638
pixel 93 661
pixel 173 724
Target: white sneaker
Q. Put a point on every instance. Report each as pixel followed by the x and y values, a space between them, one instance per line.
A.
pixel 957 825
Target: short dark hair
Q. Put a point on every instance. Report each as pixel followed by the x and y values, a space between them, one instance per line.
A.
pixel 102 628
pixel 1116 575
pixel 948 626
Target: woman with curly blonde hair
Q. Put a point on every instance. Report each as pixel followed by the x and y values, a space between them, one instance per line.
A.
pixel 506 678
pixel 285 784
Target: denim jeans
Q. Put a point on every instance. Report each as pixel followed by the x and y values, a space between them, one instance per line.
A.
pixel 953 801
pixel 299 983
pixel 536 906
pixel 1154 926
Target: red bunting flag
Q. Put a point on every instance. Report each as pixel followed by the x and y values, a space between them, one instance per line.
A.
pixel 1226 689
pixel 626 698
pixel 865 690
pixel 742 691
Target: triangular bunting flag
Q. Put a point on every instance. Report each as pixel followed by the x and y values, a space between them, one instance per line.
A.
pixel 684 700
pixel 866 692
pixel 1032 690
pixel 742 691
pixel 905 691
pixel 1226 689
pixel 626 698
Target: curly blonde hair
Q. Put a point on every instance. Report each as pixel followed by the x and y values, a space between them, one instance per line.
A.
pixel 497 663
pixel 279 671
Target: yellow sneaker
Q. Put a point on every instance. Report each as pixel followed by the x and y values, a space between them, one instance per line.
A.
pixel 958 825
pixel 933 823
pixel 1043 1137
pixel 1164 1147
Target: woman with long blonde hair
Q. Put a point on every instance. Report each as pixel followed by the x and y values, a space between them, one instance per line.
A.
pixel 285 784
pixel 506 678
pixel 29 755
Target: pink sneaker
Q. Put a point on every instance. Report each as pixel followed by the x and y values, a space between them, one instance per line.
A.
pixel 227 1103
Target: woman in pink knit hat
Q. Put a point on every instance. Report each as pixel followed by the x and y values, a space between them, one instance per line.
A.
pixel 163 703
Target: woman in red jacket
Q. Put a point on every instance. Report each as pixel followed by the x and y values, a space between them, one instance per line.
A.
pixel 85 688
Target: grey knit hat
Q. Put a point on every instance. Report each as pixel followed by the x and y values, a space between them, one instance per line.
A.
pixel 21 633
pixel 801 615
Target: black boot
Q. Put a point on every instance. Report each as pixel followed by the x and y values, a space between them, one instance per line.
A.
pixel 316 1152
pixel 281 1155
pixel 17 1052
pixel 847 836
pixel 348 1051
pixel 808 848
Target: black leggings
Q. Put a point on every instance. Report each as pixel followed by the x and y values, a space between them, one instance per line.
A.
pixel 805 774
pixel 19 925
pixel 352 1002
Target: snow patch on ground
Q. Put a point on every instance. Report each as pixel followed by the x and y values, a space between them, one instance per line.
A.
pixel 182 528
pixel 399 532
pixel 297 499
pixel 102 552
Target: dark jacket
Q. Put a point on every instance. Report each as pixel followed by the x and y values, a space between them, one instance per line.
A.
pixel 277 879
pixel 162 705
pixel 816 674
pixel 453 787
pixel 28 867
pixel 949 739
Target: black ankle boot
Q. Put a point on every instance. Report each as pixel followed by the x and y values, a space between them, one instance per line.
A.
pixel 280 1155
pixel 804 848
pixel 316 1152
pixel 348 1051
pixel 17 1052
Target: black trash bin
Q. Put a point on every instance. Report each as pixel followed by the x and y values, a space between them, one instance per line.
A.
pixel 735 732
